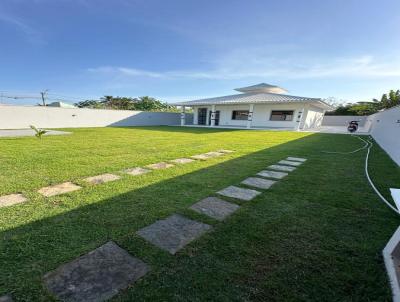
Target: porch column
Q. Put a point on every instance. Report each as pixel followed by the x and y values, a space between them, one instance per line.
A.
pixel 250 116
pixel 213 116
pixel 183 116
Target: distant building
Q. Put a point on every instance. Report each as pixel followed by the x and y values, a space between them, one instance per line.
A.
pixel 61 105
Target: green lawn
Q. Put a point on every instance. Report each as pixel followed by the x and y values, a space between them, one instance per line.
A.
pixel 316 235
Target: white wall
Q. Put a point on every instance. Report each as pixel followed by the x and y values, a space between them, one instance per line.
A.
pixel 342 120
pixel 18 117
pixel 385 129
pixel 261 115
pixel 314 117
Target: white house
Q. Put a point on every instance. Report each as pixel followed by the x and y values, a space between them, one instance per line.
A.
pixel 258 106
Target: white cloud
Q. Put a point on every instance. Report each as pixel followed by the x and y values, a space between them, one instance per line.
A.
pixel 32 34
pixel 241 65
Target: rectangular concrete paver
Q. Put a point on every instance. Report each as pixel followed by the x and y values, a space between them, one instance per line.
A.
pixel 290 163
pixel 213 154
pixel 99 179
pixel 239 193
pixel 59 189
pixel 173 233
pixel 257 182
pixel 296 159
pixel 96 276
pixel 11 199
pixel 225 151
pixel 200 157
pixel 282 168
pixel 159 166
pixel 215 207
pixel 182 161
pixel 272 174
pixel 137 171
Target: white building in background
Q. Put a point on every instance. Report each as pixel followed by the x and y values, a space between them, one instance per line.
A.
pixel 258 106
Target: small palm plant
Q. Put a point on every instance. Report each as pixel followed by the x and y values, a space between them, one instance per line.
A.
pixel 38 132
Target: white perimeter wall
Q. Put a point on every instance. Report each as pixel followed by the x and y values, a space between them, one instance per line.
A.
pixel 385 129
pixel 342 120
pixel 313 117
pixel 18 117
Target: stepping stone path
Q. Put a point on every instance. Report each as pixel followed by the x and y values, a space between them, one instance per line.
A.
pixel 6 298
pixel 137 171
pixel 182 161
pixel 257 182
pixel 239 193
pixel 159 166
pixel 290 163
pixel 225 151
pixel 272 174
pixel 99 179
pixel 96 276
pixel 173 233
pixel 215 208
pixel 9 200
pixel 282 168
pixel 296 159
pixel 59 189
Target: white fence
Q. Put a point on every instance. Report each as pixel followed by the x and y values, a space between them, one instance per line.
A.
pixel 19 117
pixel 342 120
pixel 385 129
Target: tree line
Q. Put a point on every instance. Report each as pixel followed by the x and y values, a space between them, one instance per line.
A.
pixel 143 103
pixel 388 100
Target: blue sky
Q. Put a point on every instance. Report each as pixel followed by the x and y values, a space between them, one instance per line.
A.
pixel 182 50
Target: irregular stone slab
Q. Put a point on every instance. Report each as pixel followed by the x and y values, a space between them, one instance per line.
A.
pixel 272 174
pixel 137 171
pixel 96 276
pixel 182 161
pixel 173 233
pixel 59 189
pixel 239 193
pixel 159 166
pixel 225 151
pixel 215 208
pixel 6 298
pixel 282 168
pixel 11 199
pixel 99 179
pixel 257 182
pixel 290 163
pixel 296 159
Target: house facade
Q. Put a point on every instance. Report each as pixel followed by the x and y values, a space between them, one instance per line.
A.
pixel 258 106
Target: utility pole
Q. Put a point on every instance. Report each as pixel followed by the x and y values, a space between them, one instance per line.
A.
pixel 44 94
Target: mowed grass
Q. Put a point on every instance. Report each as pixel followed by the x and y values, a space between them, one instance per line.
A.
pixel 316 235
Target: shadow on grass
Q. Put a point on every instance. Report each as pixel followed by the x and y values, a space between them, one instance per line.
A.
pixel 180 129
pixel 31 250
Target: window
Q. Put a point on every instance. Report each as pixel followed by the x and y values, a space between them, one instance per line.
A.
pixel 240 115
pixel 281 115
